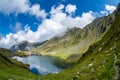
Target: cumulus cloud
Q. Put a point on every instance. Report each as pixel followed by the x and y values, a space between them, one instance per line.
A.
pixel 104 12
pixel 80 21
pixel 58 9
pixel 58 23
pixel 10 6
pixel 108 9
pixel 70 8
pixel 35 10
pixel 23 6
pixel 57 15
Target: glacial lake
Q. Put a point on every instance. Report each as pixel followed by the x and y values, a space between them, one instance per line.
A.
pixel 42 65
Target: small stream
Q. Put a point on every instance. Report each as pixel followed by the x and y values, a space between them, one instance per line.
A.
pixel 42 65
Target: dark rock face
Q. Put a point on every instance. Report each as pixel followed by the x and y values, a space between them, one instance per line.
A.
pixel 14 48
pixel 21 46
pixel 118 8
pixel 102 29
pixel 25 46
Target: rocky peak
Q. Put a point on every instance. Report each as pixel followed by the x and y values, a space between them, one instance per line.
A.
pixel 118 8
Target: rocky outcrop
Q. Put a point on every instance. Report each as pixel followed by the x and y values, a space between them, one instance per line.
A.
pixel 118 8
pixel 24 46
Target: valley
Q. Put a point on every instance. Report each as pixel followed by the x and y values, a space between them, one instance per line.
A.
pixel 91 53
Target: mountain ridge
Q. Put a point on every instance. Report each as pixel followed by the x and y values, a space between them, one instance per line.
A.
pixel 25 46
pixel 100 62
pixel 76 40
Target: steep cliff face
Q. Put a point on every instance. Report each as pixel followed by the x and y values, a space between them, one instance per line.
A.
pixel 118 8
pixel 76 40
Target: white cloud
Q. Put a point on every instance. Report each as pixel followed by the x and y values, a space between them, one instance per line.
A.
pixel 11 6
pixel 58 9
pixel 22 6
pixel 35 10
pixel 108 9
pixel 104 12
pixel 80 21
pixel 58 23
pixel 70 8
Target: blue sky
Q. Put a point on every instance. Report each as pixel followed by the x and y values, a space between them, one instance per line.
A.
pixel 35 16
pixel 82 6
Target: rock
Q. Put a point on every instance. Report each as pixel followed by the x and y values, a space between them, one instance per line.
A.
pixel 111 49
pixel 100 49
pixel 90 64
pixel 118 8
pixel 102 29
pixel 10 79
pixel 92 70
pixel 77 76
pixel 78 72
pixel 103 44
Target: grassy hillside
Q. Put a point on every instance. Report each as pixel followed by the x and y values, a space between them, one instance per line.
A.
pixel 76 41
pixel 100 62
pixel 13 70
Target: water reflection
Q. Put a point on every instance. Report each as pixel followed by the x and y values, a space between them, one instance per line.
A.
pixel 40 64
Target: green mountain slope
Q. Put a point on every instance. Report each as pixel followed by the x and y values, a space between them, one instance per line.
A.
pixel 13 70
pixel 76 40
pixel 100 62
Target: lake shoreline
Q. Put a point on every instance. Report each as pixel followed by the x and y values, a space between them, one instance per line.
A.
pixel 42 65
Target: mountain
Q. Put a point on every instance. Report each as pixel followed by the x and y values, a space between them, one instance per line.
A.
pixel 11 69
pixel 76 40
pixel 25 46
pixel 101 61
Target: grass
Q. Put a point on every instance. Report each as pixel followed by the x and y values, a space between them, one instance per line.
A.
pixel 97 63
pixel 12 69
pixel 76 40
